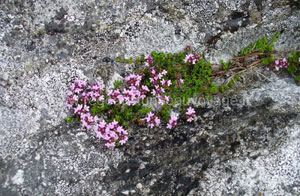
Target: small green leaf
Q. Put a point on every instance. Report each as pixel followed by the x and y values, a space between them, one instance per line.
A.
pixel 237 77
pixel 118 118
pixel 221 89
pixel 117 84
pixel 68 120
pixel 125 123
pixel 119 59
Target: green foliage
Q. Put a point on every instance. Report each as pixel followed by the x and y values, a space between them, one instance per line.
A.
pixel 267 61
pixel 188 79
pixel 69 119
pixel 165 112
pixel 222 88
pixel 294 66
pixel 185 79
pixel 263 45
pixel 230 83
pixel 144 110
pixel 225 65
pixel 197 78
pixel 117 84
pixel 119 59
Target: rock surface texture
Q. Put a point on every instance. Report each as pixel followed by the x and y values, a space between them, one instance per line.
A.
pixel 246 147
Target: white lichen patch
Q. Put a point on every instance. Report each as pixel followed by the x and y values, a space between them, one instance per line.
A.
pixel 18 179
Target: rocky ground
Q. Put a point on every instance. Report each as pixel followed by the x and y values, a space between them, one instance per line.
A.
pixel 245 143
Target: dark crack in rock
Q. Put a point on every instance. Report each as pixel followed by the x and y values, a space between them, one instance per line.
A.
pixel 244 144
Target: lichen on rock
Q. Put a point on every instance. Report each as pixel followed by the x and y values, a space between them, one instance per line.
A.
pixel 246 148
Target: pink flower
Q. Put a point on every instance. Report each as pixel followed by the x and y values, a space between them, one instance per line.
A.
pixel 84 97
pixel 157 121
pixel 190 114
pixel 164 72
pixel 172 122
pixel 134 80
pixel 80 109
pixel 166 83
pixel 163 100
pixel 190 111
pixel 111 133
pixel 143 91
pixel 149 60
pixel 145 88
pixel 152 120
pixel 71 99
pixel 78 85
pixel 124 140
pixel 159 76
pixel 191 58
pixel 152 70
pixel 96 92
pixel 181 81
pixel 131 95
pixel 100 129
pixel 95 87
pixel 87 120
pixel 115 96
pixel 279 64
pixel 112 125
pixel 72 86
pixel 110 144
pixel 198 58
pixel 153 92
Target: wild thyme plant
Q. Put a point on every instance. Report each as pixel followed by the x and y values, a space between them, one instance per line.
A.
pixel 165 77
pixel 170 79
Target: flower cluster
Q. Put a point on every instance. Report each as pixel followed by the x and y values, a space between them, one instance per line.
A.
pixel 87 120
pixel 190 114
pixel 114 96
pixel 158 84
pixel 279 64
pixel 151 120
pixel 108 111
pixel 134 80
pixel 180 81
pixel 192 58
pixel 149 60
pixel 95 92
pixel 79 99
pixel 80 94
pixel 132 93
pixel 187 48
pixel 165 77
pixel 172 122
pixel 111 133
pixel 73 94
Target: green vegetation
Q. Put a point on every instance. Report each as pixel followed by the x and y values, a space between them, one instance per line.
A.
pixel 169 79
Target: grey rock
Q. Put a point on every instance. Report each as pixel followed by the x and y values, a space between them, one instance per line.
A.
pixel 245 147
pixel 53 27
